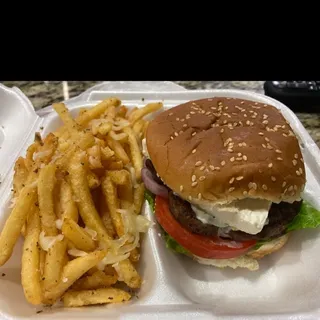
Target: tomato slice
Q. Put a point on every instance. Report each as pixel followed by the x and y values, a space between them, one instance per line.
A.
pixel 201 246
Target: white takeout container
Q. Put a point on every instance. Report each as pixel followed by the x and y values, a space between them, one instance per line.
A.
pixel 287 285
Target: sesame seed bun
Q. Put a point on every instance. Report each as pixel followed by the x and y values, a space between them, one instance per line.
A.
pixel 223 149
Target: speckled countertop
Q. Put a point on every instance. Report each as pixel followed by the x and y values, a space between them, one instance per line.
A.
pixel 44 93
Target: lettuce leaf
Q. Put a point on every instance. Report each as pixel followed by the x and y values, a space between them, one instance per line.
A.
pixel 308 217
pixel 170 242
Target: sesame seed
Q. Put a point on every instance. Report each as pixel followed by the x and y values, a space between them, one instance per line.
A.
pixel 265 117
pixel 170 114
pixel 294 162
pixel 242 102
pixel 265 105
pixel 193 178
pixel 194 150
pixel 239 178
pixel 245 115
pixel 298 172
pixel 177 119
pixel 171 137
pixel 239 154
pixel 240 144
pixel 252 185
pixel 202 178
pixel 264 145
pixel 199 196
pixel 208 113
pixel 245 193
pixel 202 168
pixel 210 99
pixel 202 111
pixel 181 188
pixel 251 111
pixel 231 189
pixel 188 116
pixel 256 103
pixel 273 178
pixel 264 187
pixel 238 158
pixel 185 125
pixel 224 121
pixel 230 150
pixel 222 130
pixel 180 131
pixel 266 139
pixel 176 134
pixel 211 168
pixel 283 127
pixel 248 122
pixel 296 155
pixel 198 163
pixel 232 159
pixel 295 187
pixel 301 159
pixel 270 165
pixel 227 142
pixel 217 168
pixel 269 146
pixel 285 135
pixel 265 122
pixel 245 158
pixel 284 184
pixel 182 120
pixel 192 112
pixel 189 198
pixel 279 158
pixel 223 163
pixel 278 151
pixel 213 108
pixel 194 133
pixel 290 188
pixel 193 184
pixel 285 190
pixel 261 133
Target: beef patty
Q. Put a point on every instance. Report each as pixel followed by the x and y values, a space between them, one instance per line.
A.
pixel 280 215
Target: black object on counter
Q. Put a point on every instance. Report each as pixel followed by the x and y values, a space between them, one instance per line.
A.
pixel 299 96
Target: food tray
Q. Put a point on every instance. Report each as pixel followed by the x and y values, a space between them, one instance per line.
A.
pixel 175 287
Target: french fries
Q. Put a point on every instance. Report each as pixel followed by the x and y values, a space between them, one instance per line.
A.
pixel 45 193
pixel 99 296
pixel 30 272
pixel 71 191
pixel 77 235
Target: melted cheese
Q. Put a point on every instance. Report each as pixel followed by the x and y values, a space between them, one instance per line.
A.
pixel 247 215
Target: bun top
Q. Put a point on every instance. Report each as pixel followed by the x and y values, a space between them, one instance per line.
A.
pixel 223 149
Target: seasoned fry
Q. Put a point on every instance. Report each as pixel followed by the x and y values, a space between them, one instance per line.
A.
pixel 55 258
pixel 130 111
pixel 110 193
pixel 119 177
pixel 12 228
pixel 142 112
pixel 77 235
pixel 93 180
pixel 118 150
pixel 99 296
pixel 30 272
pixel 42 261
pixel 136 156
pixel 145 127
pixel 86 206
pixel 67 204
pixel 106 218
pixel 129 274
pixel 121 112
pixel 138 127
pixel 72 272
pixel 95 281
pixel 138 197
pixel 114 165
pixel 96 111
pixel 20 175
pixel 134 255
pixel 106 153
pixel 45 193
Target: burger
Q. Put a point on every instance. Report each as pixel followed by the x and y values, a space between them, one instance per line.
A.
pixel 225 178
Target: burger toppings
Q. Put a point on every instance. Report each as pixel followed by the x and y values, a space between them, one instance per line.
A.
pixel 227 176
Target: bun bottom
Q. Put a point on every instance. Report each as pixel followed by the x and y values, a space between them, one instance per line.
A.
pixel 249 260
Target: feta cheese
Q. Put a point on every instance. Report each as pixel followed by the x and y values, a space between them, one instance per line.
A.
pixel 247 215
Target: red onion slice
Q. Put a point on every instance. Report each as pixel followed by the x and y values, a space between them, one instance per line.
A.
pixel 153 186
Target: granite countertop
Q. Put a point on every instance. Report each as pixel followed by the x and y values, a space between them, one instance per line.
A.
pixel 44 93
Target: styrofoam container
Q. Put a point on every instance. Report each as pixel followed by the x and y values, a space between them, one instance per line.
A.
pixel 287 285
